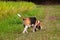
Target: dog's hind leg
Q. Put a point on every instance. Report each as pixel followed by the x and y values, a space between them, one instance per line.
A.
pixel 25 29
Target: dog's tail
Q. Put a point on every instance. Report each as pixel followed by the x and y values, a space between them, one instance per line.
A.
pixel 19 15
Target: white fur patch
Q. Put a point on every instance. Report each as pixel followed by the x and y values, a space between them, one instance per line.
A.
pixel 41 27
pixel 25 29
pixel 19 15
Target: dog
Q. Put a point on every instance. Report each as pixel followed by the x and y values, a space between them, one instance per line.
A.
pixel 30 22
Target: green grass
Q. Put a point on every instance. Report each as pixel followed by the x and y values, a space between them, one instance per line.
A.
pixel 11 25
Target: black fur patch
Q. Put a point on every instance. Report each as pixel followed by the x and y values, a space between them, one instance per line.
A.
pixel 33 20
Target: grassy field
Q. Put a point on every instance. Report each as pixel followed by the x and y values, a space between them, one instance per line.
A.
pixel 11 26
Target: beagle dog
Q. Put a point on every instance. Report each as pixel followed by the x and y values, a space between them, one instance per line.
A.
pixel 30 22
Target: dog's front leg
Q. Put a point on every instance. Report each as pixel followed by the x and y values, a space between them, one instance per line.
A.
pixel 34 28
